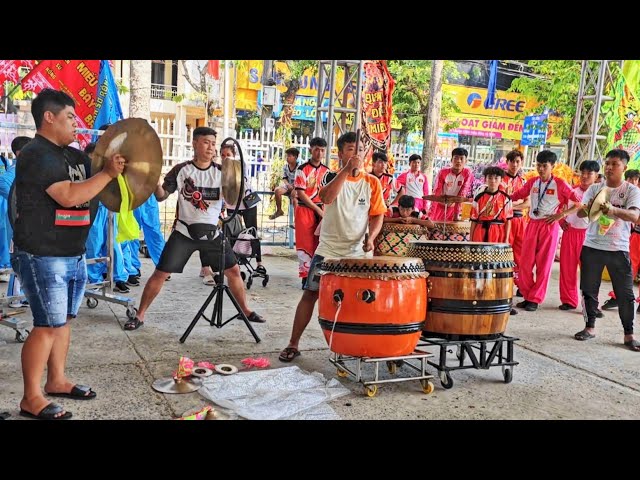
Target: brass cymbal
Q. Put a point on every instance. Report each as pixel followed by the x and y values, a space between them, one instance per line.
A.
pixel 177 385
pixel 231 178
pixel 139 144
pixel 447 199
pixel 602 197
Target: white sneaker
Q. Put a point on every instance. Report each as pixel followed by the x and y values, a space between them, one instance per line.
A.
pixel 18 304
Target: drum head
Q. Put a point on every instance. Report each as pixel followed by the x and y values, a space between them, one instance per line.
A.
pixel 375 267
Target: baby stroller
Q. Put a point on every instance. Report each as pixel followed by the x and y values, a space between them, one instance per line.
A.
pixel 245 244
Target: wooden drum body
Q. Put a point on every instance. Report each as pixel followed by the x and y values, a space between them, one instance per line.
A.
pixel 380 304
pixel 470 288
pixel 451 231
pixel 394 238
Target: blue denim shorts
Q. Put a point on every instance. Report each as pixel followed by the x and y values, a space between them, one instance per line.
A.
pixel 54 286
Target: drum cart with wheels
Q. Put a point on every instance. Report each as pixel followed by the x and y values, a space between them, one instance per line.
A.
pixel 415 362
pixel 491 352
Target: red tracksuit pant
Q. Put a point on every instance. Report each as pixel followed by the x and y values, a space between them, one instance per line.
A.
pixel 541 241
pixel 570 248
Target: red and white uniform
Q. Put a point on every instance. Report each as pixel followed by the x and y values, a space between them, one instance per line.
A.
pixel 541 239
pixel 449 183
pixel 308 180
pixel 490 212
pixel 510 185
pixel 415 185
pixel 570 248
pixel 388 185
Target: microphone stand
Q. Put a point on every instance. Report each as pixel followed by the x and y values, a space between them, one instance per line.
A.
pixel 220 288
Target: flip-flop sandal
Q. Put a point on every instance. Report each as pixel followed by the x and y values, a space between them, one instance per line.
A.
pixel 584 335
pixel 288 354
pixel 134 323
pixel 633 345
pixel 78 392
pixel 48 413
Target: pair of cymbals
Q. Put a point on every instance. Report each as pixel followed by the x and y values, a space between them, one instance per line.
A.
pixel 446 199
pixel 602 197
pixel 139 144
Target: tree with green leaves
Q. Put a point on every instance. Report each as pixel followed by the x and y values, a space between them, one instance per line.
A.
pixel 555 88
pixel 292 83
pixel 203 85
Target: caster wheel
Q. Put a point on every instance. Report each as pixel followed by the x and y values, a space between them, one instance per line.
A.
pixel 243 275
pixel 427 386
pixel 249 283
pixel 131 313
pixel 265 281
pixel 446 380
pixel 21 337
pixel 393 368
pixel 341 373
pixel 371 390
pixel 507 373
pixel 92 302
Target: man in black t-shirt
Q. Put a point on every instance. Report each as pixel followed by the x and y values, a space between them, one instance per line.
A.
pixel 53 219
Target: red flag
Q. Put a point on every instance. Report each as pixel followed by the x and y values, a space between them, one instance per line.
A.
pixel 214 69
pixel 77 78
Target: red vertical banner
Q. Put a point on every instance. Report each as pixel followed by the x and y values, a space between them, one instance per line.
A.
pixel 214 69
pixel 376 102
pixel 77 78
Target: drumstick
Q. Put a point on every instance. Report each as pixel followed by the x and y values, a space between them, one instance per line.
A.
pixel 354 172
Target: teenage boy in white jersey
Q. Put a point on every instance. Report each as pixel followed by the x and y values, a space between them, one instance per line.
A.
pixel 609 247
pixel 574 229
pixel 199 186
pixel 353 207
pixel 548 195
pixel 413 182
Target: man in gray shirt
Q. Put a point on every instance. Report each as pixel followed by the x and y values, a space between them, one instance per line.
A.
pixel 609 247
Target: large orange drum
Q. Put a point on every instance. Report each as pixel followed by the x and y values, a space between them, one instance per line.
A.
pixel 372 307
pixel 471 285
pixel 451 231
pixel 394 238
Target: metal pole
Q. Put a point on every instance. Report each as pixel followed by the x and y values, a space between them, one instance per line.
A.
pixel 577 119
pixel 356 96
pixel 596 106
pixel 227 100
pixel 332 95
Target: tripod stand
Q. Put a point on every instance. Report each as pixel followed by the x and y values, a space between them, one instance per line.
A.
pixel 219 289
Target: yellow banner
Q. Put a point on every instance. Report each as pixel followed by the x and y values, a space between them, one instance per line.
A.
pixel 308 81
pixel 471 101
pixel 246 99
pixel 250 80
pixel 250 74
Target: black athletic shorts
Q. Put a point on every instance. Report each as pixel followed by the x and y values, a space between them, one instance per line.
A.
pixel 179 248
